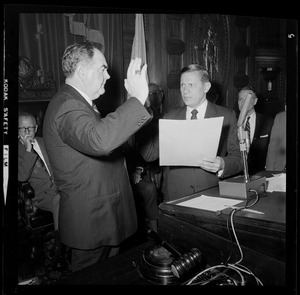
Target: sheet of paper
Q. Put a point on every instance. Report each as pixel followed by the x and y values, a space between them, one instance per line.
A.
pixel 210 203
pixel 184 142
pixel 277 183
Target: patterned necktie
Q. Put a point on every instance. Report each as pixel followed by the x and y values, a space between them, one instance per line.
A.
pixel 247 128
pixel 194 114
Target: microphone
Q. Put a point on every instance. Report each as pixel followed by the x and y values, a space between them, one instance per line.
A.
pixel 240 187
pixel 243 135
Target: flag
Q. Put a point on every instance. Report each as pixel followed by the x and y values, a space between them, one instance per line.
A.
pixel 139 44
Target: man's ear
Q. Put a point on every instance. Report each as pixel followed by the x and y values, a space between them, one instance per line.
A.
pixel 255 100
pixel 80 71
pixel 207 86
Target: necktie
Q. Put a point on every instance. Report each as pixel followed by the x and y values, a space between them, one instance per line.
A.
pixel 247 128
pixel 194 114
pixel 39 162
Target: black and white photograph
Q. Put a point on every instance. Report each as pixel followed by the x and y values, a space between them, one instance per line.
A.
pixel 155 147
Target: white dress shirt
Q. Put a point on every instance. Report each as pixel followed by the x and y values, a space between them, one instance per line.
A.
pixel 201 111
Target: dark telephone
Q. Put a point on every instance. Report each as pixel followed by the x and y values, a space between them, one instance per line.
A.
pixel 163 264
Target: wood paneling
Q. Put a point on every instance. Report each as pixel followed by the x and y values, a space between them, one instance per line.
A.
pixel 233 48
pixel 166 53
pixel 175 40
pixel 269 56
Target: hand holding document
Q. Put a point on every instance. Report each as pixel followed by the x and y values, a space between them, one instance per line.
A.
pixel 185 142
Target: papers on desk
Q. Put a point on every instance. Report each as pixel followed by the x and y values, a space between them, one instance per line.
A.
pixel 277 183
pixel 184 142
pixel 213 204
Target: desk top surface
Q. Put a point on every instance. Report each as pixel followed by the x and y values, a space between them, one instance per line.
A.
pixel 271 205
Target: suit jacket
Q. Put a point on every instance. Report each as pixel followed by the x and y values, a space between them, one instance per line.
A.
pixel 276 155
pixel 182 181
pixel 38 177
pixel 96 202
pixel 259 146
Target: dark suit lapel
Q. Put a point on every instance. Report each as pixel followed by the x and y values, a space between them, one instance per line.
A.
pixel 210 110
pixel 77 96
pixel 182 114
pixel 258 123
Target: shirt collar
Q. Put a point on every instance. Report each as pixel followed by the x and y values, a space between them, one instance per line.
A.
pixel 201 110
pixel 36 146
pixel 252 117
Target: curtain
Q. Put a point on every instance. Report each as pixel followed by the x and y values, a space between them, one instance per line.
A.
pixel 115 93
pixel 43 38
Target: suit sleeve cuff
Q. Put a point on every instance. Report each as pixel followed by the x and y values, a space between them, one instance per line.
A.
pixel 221 171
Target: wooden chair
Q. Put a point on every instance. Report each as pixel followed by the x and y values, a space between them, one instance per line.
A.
pixel 38 223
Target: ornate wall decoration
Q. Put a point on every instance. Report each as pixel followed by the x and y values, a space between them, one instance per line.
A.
pixel 33 83
pixel 210 45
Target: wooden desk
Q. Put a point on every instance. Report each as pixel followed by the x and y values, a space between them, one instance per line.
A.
pixel 261 236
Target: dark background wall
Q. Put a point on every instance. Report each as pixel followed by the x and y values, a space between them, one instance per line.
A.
pixel 237 50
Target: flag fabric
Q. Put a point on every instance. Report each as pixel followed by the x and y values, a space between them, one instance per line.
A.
pixel 139 43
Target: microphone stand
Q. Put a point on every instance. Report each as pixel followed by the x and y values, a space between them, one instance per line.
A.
pixel 242 134
pixel 241 187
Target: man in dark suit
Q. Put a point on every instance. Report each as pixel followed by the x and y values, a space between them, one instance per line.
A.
pixel 181 181
pixel 146 176
pixel 97 209
pixel 34 167
pixel 260 131
pixel 144 188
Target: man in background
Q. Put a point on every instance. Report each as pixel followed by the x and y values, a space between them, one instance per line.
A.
pixel 34 167
pixel 260 130
pixel 146 176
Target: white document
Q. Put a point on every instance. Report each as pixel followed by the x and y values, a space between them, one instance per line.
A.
pixel 277 183
pixel 184 142
pixel 210 203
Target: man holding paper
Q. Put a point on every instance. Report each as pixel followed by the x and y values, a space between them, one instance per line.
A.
pixel 184 179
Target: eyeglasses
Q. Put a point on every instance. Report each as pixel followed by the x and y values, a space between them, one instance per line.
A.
pixel 29 129
pixel 156 92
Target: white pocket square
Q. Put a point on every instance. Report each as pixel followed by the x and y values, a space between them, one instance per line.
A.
pixel 263 136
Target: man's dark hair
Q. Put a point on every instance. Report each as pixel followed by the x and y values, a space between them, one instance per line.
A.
pixel 204 74
pixel 74 54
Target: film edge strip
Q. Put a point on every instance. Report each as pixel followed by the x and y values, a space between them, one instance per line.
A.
pixel 5 139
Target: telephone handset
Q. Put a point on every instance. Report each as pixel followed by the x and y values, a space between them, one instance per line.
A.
pixel 183 264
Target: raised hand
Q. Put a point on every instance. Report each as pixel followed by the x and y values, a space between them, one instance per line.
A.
pixel 136 83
